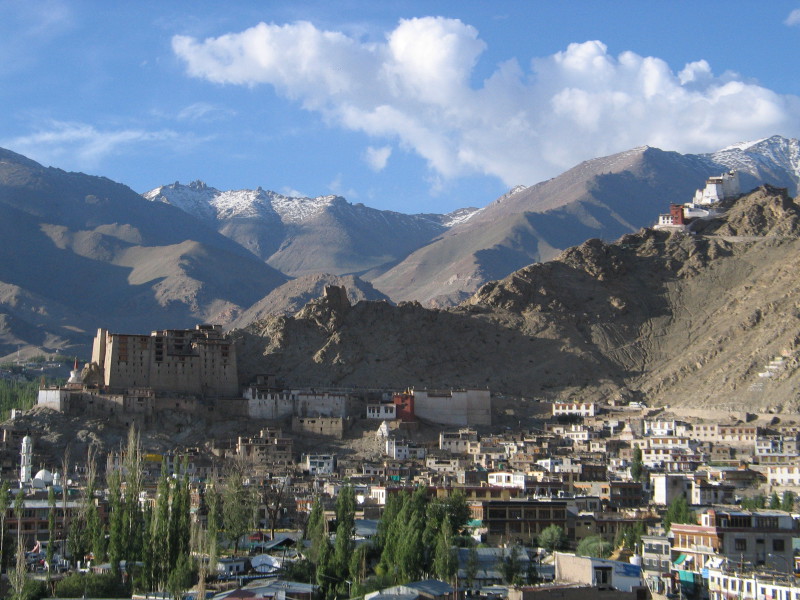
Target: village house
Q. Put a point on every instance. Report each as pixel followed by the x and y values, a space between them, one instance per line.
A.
pixel 739 536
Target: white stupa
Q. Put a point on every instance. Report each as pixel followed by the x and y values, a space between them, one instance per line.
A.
pixel 75 375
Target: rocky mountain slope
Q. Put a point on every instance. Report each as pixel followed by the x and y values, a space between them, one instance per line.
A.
pixel 666 317
pixel 604 197
pixel 82 252
pixel 296 293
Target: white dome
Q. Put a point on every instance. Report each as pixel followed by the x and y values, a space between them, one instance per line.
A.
pixel 44 476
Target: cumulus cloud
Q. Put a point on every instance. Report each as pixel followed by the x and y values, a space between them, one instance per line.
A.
pixel 793 18
pixel 377 158
pixel 523 123
pixel 83 144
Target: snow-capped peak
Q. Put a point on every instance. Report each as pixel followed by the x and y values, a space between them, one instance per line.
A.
pixel 209 203
pixel 752 157
pixel 742 145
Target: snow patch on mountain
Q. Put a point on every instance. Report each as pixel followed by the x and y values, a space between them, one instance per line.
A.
pixel 767 153
pixel 462 215
pixel 211 204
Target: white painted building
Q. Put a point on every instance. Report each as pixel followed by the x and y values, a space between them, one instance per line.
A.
pixel 279 404
pixel 404 450
pixel 718 188
pixel 457 442
pixel 733 584
pixel 659 428
pixel 783 475
pixel 508 479
pixel 581 409
pixel 383 412
pixel 319 464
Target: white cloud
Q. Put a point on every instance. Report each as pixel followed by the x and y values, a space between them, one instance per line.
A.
pixel 84 145
pixel 292 193
pixel 377 158
pixel 520 124
pixel 793 18
pixel 202 111
pixel 337 187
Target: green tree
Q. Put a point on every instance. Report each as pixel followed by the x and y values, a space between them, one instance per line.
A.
pixel 160 531
pixel 180 577
pixel 637 467
pixel 446 557
pixel 179 522
pixel 213 502
pixel 678 512
pixel 787 502
pixel 116 520
pixel 552 538
pixel 457 510
pixel 326 575
pixel 133 516
pixel 472 566
pixel 594 546
pixel 345 532
pixel 18 577
pixel 51 528
pixel 146 581
pixel 410 551
pixel 774 501
pixel 237 509
pixel 511 566
pixel 316 528
pixel 755 502
pixel 5 503
pixel 79 585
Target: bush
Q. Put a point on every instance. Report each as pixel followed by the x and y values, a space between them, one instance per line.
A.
pixel 105 585
pixel 594 546
pixel 34 590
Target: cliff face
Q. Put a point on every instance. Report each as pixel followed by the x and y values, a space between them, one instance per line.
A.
pixel 666 317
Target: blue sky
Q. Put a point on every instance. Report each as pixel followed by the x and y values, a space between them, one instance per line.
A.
pixel 408 106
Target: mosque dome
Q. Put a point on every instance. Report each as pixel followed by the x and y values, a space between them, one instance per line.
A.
pixel 44 476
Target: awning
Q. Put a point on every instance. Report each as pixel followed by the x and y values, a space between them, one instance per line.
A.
pixel 679 561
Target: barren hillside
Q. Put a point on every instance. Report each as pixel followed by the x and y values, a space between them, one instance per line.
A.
pixel 669 317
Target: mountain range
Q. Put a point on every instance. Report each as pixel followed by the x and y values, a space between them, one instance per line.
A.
pixel 82 252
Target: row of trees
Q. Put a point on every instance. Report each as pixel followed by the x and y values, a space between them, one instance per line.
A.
pixel 775 502
pixel 418 537
pixel 17 394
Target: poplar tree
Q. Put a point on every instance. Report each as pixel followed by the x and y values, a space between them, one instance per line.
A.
pixel 148 553
pixel 51 528
pixel 472 566
pixel 637 467
pixel 179 530
pixel 316 529
pixel 446 557
pixel 5 503
pixel 345 529
pixel 410 549
pixel 212 520
pixel 116 521
pixel 133 519
pixel 678 512
pixel 237 509
pixel 160 531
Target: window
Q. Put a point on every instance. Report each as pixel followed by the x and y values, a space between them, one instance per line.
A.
pixel 778 545
pixel 740 544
